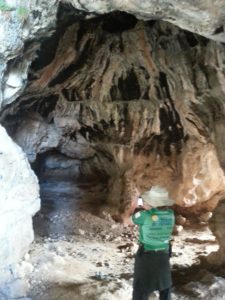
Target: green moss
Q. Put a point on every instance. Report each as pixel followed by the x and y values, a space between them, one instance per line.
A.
pixel 4 6
pixel 22 11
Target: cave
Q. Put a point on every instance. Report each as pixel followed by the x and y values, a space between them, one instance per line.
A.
pixel 97 107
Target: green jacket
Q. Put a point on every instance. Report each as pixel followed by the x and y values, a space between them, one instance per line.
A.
pixel 155 228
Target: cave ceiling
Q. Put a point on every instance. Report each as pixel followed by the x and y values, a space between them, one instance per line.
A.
pixel 205 17
pixel 139 103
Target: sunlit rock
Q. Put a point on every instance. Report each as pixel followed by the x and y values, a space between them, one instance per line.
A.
pixel 19 201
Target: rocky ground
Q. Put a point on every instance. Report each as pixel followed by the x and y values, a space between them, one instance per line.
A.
pixel 78 254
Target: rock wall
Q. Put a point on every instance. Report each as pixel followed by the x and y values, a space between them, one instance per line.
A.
pixel 198 17
pixel 137 103
pixel 21 22
pixel 19 190
pixel 19 201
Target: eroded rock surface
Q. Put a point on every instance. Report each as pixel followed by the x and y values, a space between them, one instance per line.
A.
pixel 136 105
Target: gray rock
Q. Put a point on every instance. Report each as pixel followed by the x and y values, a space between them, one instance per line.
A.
pixel 19 201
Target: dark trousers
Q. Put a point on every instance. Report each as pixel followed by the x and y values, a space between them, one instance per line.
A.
pixel 138 294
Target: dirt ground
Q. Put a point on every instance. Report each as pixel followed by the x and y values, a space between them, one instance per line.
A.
pixel 80 255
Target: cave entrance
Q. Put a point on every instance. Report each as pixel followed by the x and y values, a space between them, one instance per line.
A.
pixel 85 113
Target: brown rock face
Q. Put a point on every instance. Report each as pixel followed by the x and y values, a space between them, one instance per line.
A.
pixel 137 104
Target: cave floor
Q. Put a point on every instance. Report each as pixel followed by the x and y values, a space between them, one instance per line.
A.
pixel 79 254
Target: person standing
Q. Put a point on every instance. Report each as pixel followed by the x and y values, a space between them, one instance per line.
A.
pixel 152 266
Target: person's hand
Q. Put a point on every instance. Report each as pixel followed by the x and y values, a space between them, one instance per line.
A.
pixel 138 208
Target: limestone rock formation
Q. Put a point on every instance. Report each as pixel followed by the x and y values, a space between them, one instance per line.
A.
pixel 203 17
pixel 127 102
pixel 19 22
pixel 19 202
pixel 138 104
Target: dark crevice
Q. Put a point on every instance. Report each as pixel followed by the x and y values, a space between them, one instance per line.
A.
pixel 66 94
pixel 47 52
pixel 151 23
pixel 219 30
pixel 117 22
pixel 105 125
pixel 129 87
pixel 191 39
pixel 46 105
pixel 164 85
pixel 73 136
pixel 171 129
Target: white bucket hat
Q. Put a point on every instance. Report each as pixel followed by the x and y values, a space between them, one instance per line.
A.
pixel 157 196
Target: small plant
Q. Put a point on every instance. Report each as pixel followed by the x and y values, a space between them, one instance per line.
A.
pixel 4 6
pixel 22 12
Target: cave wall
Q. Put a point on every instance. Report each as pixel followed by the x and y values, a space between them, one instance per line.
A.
pixel 204 17
pixel 140 103
pixel 19 201
pixel 19 189
pixel 22 22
